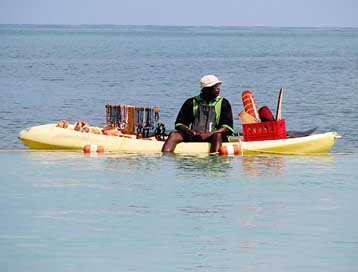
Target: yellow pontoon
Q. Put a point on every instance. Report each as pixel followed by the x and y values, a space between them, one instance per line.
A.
pixel 51 137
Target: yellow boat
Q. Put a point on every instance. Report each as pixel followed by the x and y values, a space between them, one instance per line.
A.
pixel 50 137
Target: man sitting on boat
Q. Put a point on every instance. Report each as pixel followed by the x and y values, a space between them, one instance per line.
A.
pixel 206 117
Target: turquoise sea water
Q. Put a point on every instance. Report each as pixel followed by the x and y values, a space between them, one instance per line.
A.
pixel 65 211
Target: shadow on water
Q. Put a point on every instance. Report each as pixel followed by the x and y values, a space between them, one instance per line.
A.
pixel 203 165
pixel 182 165
pixel 264 165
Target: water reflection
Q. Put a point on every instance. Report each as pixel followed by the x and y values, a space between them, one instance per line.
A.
pixel 203 165
pixel 180 165
pixel 230 166
pixel 110 162
pixel 263 165
pixel 274 165
pixel 135 163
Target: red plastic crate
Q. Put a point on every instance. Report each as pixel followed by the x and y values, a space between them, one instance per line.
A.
pixel 262 131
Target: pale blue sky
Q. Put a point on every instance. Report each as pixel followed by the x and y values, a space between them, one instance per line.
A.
pixel 301 13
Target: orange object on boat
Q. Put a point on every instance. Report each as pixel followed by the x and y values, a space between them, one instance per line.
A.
pixel 93 148
pixel 250 106
pixel 229 150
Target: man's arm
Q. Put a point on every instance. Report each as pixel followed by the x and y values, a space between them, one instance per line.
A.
pixel 226 119
pixel 185 118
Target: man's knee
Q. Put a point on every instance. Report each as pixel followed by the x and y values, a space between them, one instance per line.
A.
pixel 217 137
pixel 175 137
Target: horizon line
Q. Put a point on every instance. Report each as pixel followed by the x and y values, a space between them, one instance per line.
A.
pixel 169 25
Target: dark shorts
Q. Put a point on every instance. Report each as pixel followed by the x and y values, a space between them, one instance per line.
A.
pixel 188 138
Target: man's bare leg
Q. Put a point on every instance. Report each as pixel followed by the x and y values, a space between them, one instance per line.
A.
pixel 174 138
pixel 216 141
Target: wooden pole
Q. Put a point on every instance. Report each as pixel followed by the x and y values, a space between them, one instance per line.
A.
pixel 279 106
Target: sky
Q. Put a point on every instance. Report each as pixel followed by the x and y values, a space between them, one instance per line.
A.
pixel 277 13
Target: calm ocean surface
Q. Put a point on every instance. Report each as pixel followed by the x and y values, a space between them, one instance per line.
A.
pixel 65 211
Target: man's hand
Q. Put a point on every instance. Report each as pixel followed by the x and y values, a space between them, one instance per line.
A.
pixel 188 131
pixel 192 133
pixel 204 136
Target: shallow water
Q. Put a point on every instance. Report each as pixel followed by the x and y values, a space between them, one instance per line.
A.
pixel 67 211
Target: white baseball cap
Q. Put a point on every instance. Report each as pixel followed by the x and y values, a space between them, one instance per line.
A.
pixel 209 81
